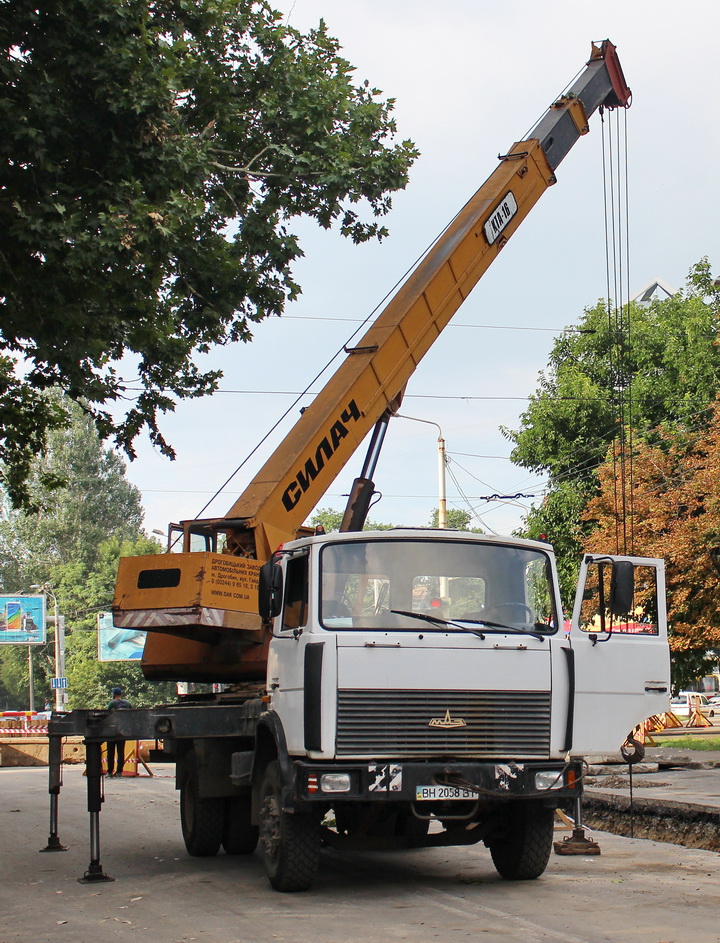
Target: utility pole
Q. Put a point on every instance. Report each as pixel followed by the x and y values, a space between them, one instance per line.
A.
pixel 442 491
pixel 442 464
pixel 60 692
pixel 31 679
pixel 442 488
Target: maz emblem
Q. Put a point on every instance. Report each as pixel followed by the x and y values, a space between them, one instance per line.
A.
pixel 447 721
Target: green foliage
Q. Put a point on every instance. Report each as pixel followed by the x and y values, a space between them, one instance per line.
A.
pixel 667 360
pixel 559 520
pixel 689 665
pixel 86 588
pixel 327 518
pixel 14 677
pixel 96 501
pixel 670 357
pixel 74 546
pixel 82 590
pixel 90 682
pixel 85 591
pixel 689 742
pixel 457 519
pixel 331 520
pixel 153 159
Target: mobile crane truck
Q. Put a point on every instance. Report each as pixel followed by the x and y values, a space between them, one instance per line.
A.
pixel 386 689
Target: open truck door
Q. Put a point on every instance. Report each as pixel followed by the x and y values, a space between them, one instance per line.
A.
pixel 621 663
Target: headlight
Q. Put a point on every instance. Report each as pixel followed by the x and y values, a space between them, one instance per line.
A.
pixel 335 782
pixel 549 779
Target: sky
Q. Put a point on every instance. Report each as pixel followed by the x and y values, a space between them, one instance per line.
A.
pixel 470 77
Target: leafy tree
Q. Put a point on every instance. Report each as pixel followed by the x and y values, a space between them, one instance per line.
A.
pixel 667 363
pixel 331 520
pixel 154 156
pixel 559 520
pixel 15 677
pixel 457 519
pixel 82 592
pixel 667 360
pixel 672 512
pixel 74 546
pixel 96 501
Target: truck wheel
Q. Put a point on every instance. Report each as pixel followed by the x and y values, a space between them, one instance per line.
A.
pixel 240 836
pixel 201 819
pixel 289 843
pixel 521 849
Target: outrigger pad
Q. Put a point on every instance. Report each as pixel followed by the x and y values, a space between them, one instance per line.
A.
pixel 577 844
pixel 93 875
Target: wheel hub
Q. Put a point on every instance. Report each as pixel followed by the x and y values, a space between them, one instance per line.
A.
pixel 270 828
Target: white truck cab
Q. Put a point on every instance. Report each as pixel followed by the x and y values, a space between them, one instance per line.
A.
pixel 422 675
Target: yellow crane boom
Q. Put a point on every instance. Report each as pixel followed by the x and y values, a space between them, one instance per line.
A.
pixel 200 606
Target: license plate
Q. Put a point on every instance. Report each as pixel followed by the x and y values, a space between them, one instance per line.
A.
pixel 424 793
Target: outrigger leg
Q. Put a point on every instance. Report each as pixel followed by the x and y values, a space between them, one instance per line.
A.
pixel 55 783
pixel 578 843
pixel 93 767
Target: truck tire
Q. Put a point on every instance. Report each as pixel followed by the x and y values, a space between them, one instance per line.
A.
pixel 202 820
pixel 521 848
pixel 240 836
pixel 289 843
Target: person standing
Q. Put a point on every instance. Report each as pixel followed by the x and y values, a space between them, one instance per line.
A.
pixel 116 748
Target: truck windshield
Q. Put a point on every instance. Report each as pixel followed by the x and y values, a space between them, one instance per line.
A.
pixel 379 584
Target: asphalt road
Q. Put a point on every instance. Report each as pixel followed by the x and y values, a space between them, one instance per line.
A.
pixel 636 891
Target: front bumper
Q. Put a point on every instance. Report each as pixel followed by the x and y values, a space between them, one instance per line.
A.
pixel 406 781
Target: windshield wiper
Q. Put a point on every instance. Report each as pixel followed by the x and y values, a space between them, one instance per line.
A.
pixel 508 628
pixel 436 620
pixel 486 622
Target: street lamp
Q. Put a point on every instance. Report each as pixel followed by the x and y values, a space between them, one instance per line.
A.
pixel 442 490
pixel 59 643
pixel 442 462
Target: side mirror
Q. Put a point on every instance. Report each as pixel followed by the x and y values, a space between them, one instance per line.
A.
pixel 270 590
pixel 622 588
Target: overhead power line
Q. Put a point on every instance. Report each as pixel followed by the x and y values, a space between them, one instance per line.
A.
pixel 484 327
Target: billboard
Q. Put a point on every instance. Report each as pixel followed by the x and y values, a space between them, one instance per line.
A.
pixel 22 620
pixel 118 644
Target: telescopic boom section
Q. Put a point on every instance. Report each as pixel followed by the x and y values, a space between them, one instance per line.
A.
pixel 196 598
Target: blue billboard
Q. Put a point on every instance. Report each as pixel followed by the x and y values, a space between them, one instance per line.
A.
pixel 118 644
pixel 22 620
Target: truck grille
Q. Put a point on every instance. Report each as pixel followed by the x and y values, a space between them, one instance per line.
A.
pixel 498 724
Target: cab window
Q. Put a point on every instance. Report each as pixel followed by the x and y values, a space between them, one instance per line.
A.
pixel 295 605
